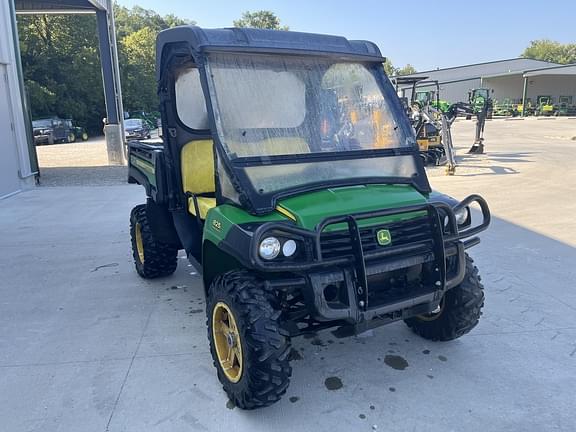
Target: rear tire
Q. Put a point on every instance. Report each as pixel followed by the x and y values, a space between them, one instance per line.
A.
pixel 460 311
pixel 261 371
pixel 152 258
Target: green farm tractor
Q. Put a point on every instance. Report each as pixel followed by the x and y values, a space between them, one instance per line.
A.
pixel 290 175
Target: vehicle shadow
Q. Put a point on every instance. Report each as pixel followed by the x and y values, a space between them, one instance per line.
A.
pixel 491 163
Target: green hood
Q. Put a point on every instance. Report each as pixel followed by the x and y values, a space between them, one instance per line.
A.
pixel 311 208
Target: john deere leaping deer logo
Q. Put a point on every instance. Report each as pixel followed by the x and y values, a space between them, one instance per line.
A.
pixel 383 236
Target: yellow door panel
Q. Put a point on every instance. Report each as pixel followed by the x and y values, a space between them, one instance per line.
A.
pixel 204 204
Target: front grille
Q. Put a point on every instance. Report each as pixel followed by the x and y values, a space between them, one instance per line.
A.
pixel 338 243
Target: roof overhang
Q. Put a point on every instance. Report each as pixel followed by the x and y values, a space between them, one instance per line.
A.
pixel 517 74
pixel 408 80
pixel 59 6
pixel 566 70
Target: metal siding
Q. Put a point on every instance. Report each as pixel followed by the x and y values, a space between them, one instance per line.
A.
pixel 563 70
pixel 9 181
pixel 554 86
pixel 505 87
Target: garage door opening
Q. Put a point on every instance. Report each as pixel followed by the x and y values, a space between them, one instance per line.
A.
pixel 69 152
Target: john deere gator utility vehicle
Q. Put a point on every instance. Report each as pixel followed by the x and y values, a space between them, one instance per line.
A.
pixel 290 175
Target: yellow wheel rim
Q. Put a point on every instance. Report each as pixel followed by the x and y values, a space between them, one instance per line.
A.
pixel 227 341
pixel 139 243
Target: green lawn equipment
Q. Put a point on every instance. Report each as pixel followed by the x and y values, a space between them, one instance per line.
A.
pixel 290 175
pixel 565 106
pixel 545 107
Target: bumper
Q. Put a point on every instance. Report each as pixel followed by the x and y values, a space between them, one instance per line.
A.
pixel 136 135
pixel 41 139
pixel 347 288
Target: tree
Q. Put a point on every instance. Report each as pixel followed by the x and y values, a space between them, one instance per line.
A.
pixel 406 70
pixel 62 67
pixel 61 62
pixel 393 71
pixel 138 70
pixel 261 19
pixel 551 51
pixel 136 31
pixel 389 67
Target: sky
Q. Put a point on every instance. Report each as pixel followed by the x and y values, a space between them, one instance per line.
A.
pixel 426 34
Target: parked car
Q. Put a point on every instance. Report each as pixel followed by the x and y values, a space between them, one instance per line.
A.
pixel 56 130
pixel 136 128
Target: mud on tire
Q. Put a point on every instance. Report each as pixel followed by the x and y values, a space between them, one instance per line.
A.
pixel 152 258
pixel 265 346
pixel 460 312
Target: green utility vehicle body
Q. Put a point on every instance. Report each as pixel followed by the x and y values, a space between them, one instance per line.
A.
pixel 290 174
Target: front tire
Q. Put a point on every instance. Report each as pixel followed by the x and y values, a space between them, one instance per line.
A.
pixel 152 258
pixel 460 310
pixel 249 347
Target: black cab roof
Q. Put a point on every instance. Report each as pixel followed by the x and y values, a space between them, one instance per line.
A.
pixel 253 40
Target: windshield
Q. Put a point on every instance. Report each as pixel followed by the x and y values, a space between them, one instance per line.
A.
pixel 42 123
pixel 267 106
pixel 133 123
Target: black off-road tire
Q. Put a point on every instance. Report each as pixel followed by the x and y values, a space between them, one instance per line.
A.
pixel 460 312
pixel 160 259
pixel 265 344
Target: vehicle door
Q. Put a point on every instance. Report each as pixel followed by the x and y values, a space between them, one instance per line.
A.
pixel 59 128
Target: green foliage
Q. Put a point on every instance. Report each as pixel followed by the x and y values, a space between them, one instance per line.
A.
pixel 389 68
pixel 61 63
pixel 62 67
pixel 393 71
pixel 551 51
pixel 406 70
pixel 261 19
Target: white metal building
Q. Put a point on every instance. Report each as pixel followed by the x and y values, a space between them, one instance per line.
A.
pixel 15 163
pixel 509 79
pixel 552 81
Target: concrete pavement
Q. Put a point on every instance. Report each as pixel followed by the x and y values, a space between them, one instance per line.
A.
pixel 86 345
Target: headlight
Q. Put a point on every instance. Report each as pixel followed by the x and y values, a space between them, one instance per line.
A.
pixel 461 215
pixel 269 248
pixel 289 248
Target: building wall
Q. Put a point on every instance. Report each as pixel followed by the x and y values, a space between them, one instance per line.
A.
pixel 456 82
pixel 509 87
pixel 544 85
pixel 554 86
pixel 15 172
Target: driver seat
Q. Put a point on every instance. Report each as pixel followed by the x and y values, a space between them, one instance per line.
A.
pixel 197 170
